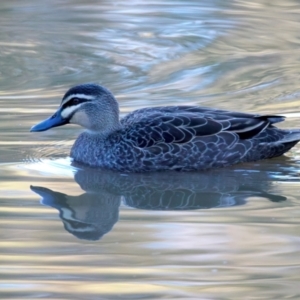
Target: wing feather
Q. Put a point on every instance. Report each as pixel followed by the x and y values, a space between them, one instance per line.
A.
pixel 181 124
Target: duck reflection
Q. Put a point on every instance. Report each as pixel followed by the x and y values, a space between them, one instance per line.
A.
pixel 92 214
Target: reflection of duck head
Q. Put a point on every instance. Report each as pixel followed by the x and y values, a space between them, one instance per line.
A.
pixel 94 213
pixel 87 216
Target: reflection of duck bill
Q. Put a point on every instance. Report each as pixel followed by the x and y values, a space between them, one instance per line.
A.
pixel 80 219
pixel 49 197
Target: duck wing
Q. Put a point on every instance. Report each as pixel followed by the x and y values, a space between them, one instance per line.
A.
pixel 180 125
pixel 208 112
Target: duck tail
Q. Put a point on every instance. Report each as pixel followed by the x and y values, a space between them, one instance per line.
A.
pixel 271 118
pixel 291 136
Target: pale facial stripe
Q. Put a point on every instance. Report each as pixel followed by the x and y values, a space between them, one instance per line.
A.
pixel 68 111
pixel 80 96
pixel 67 214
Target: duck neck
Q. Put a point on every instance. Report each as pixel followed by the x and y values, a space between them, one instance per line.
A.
pixel 90 147
pixel 103 134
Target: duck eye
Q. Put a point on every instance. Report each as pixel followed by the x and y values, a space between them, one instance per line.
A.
pixel 75 101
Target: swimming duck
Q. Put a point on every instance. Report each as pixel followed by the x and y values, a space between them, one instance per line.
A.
pixel 183 138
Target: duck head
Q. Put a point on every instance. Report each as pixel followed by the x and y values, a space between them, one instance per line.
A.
pixel 89 105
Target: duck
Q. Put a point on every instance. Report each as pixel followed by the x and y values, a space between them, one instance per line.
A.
pixel 180 138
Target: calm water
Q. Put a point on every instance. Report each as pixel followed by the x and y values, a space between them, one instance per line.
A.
pixel 73 233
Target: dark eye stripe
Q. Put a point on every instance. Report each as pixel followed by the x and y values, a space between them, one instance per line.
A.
pixel 74 101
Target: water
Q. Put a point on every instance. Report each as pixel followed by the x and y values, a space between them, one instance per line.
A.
pixel 69 233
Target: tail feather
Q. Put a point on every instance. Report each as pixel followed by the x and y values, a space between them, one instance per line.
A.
pixel 291 136
pixel 271 118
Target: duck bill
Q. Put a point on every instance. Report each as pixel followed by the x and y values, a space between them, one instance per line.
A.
pixel 53 121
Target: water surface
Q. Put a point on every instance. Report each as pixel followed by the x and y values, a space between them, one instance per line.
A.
pixel 76 233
